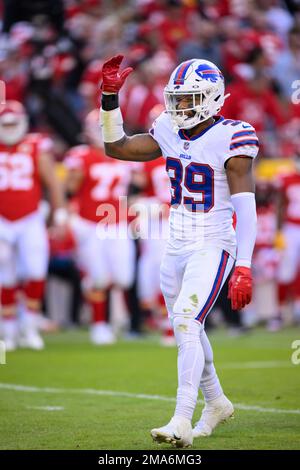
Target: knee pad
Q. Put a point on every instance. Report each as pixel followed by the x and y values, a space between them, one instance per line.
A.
pixel 186 330
pixel 167 285
pixel 93 283
pixel 124 280
pixel 186 305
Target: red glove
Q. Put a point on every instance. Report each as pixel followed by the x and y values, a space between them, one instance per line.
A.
pixel 112 80
pixel 240 287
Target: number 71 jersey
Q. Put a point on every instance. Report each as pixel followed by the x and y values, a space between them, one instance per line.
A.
pixel 201 209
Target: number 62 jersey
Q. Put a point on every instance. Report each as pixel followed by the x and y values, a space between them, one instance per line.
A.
pixel 20 181
pixel 201 209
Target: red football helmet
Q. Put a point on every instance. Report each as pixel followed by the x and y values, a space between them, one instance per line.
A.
pixel 13 123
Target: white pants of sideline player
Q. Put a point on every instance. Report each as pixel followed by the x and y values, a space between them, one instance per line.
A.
pixel 148 268
pixel 24 250
pixel 190 284
pixel 105 261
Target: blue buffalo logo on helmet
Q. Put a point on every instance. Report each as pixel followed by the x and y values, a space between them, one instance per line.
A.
pixel 209 73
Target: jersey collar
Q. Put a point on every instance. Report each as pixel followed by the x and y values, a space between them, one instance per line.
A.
pixel 182 134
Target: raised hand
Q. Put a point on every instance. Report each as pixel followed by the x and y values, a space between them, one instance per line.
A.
pixel 112 78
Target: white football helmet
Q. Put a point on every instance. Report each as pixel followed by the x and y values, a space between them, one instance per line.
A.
pixel 201 84
pixel 13 123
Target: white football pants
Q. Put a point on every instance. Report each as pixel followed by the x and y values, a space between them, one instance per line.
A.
pixel 24 249
pixel 104 261
pixel 191 284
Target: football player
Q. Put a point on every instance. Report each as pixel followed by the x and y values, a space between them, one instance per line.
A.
pixel 156 200
pixel 209 163
pixel 26 166
pixel 289 228
pixel 97 182
pixel 265 258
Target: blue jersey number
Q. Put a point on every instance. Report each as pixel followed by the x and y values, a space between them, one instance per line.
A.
pixel 175 171
pixel 197 178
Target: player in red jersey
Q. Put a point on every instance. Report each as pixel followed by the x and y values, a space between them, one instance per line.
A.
pixel 289 223
pixel 265 259
pixel 105 251
pixel 26 166
pixel 156 201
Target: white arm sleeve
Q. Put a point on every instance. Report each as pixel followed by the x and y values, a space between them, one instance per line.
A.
pixel 245 209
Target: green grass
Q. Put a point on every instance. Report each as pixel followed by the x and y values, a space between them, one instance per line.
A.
pixel 90 421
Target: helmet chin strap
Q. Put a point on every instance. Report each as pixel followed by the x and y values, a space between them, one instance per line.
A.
pixel 176 128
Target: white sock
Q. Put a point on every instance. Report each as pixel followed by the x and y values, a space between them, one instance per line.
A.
pixel 31 320
pixel 10 328
pixel 209 384
pixel 190 365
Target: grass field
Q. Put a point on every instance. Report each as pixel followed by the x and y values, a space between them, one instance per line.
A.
pixel 76 396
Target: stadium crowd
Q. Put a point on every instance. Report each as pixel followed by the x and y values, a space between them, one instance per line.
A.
pixel 51 55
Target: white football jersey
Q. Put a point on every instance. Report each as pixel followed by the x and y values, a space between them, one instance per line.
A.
pixel 201 209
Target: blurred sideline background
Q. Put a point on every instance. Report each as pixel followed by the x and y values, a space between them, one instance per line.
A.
pixel 51 53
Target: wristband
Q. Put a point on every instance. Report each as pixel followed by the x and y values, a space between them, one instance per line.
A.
pixel 109 101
